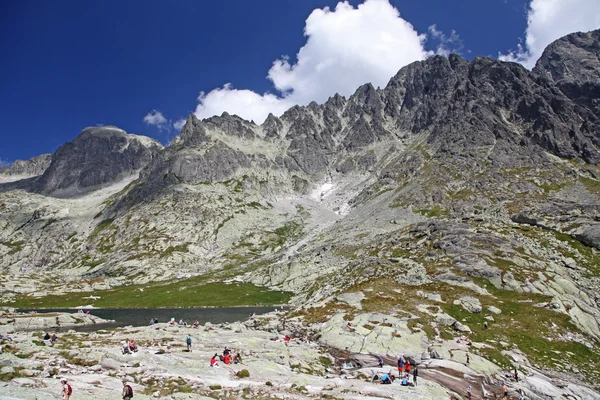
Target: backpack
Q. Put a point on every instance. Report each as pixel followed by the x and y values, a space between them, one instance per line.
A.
pixel 188 340
pixel 129 391
pixel 69 389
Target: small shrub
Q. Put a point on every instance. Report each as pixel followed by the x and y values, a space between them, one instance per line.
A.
pixel 269 383
pixel 215 387
pixel 243 374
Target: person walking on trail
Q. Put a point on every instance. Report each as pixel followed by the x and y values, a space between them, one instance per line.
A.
pixel 468 358
pixel 380 362
pixel 66 389
pixel 127 391
pixel 505 390
pixel 415 375
pixel 188 342
pixel 469 390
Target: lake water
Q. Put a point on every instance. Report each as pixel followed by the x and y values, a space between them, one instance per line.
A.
pixel 141 316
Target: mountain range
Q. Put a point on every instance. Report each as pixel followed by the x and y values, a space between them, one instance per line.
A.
pixel 458 179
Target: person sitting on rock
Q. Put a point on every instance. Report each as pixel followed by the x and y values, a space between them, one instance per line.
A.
pixel 227 359
pixel 404 381
pixel 226 351
pixel 47 336
pixel 132 346
pixel 196 324
pixel 125 349
pixel 180 322
pixel 54 338
pixel 385 379
pixel 151 321
pixel 214 362
pixel 172 322
pixel 238 359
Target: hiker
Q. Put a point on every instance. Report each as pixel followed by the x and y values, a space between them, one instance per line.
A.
pixel 407 367
pixel 181 323
pixel 468 358
pixel 172 322
pixel 505 390
pixel 125 349
pixel 196 324
pixel 227 359
pixel 380 362
pixel 400 366
pixel 516 375
pixel 521 394
pixel 214 362
pixel 404 380
pixel 238 359
pixel 226 351
pixel 485 325
pixel 54 338
pixel 469 390
pixel 415 375
pixel 385 379
pixel 188 341
pixel 47 336
pixel 67 391
pixel 132 346
pixel 151 321
pixel 127 391
pixel 155 320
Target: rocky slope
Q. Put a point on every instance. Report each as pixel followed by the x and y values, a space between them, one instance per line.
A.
pixel 457 179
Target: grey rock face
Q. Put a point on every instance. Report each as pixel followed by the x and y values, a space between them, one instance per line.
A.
pixel 98 156
pixel 21 169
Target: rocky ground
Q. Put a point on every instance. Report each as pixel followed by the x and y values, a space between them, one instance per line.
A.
pixel 335 360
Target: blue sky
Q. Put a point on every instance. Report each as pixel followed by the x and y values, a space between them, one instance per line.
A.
pixel 71 64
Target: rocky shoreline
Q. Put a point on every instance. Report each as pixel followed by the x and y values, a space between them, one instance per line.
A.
pixel 336 359
pixel 12 321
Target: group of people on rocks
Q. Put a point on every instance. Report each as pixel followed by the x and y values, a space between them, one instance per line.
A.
pixel 227 358
pixel 67 390
pixel 50 339
pixel 129 346
pixel 181 323
pixel 404 373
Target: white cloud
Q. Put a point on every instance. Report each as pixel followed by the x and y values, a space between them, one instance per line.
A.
pixel 179 124
pixel 345 48
pixel 549 20
pixel 446 44
pixel 157 119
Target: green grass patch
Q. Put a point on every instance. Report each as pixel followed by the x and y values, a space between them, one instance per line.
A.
pixel 100 227
pixel 434 212
pixel 592 185
pixel 192 292
pixel 530 328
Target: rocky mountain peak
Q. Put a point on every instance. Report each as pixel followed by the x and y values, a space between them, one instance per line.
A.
pixel 97 157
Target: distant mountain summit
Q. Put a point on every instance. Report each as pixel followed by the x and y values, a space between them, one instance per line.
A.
pixel 24 169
